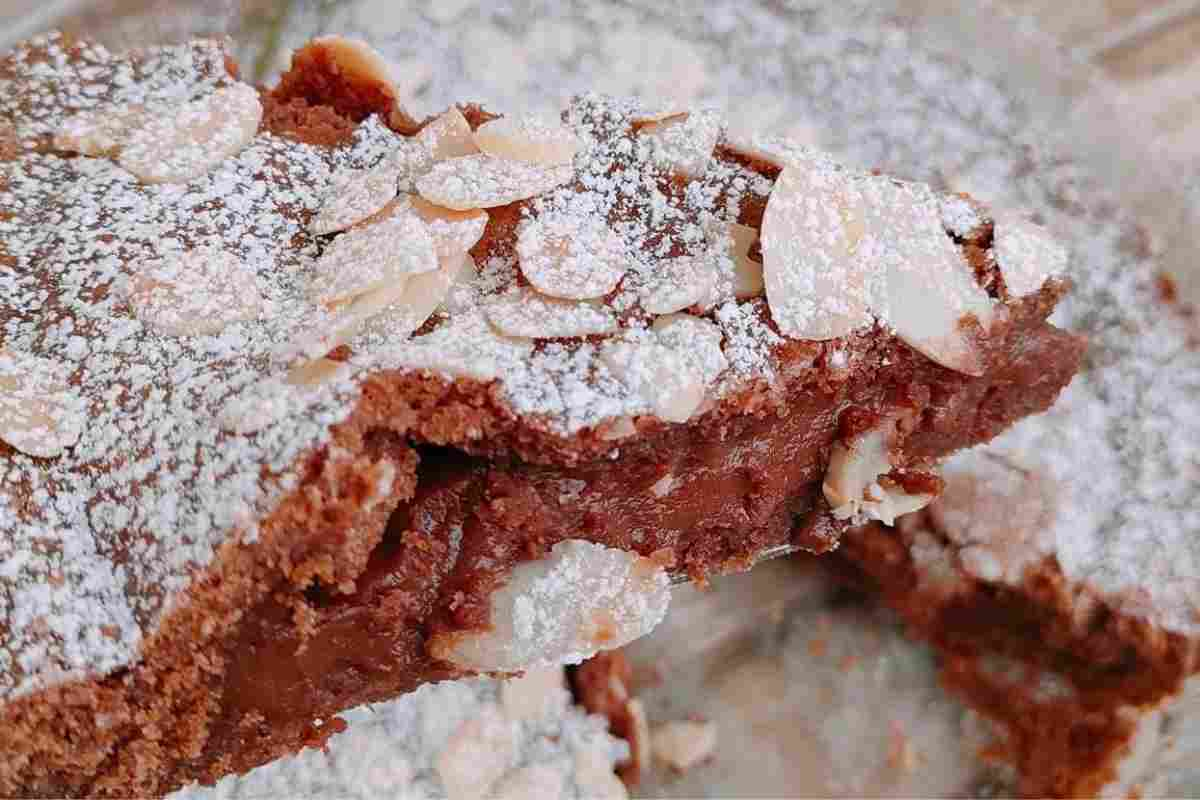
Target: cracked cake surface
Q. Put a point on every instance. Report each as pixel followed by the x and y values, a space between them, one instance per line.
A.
pixel 230 355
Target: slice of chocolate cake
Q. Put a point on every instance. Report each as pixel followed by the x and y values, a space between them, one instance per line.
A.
pixel 304 403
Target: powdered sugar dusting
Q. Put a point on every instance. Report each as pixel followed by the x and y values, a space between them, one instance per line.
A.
pixel 401 748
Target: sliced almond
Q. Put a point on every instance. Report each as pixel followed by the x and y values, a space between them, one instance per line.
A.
pixel 817 286
pixel 644 117
pixel 579 599
pixel 747 273
pixel 454 232
pixel 357 195
pixel 329 330
pixel 928 285
pixel 40 414
pixel 359 63
pixel 524 312
pixel 679 283
pixel 194 292
pixel 684 144
pixel 177 147
pixel 423 295
pixel 683 744
pixel 477 754
pixel 574 256
pixel 776 151
pixel 100 132
pixel 671 385
pixel 530 138
pixel 272 399
pixel 465 347
pixel 448 136
pixel 317 372
pixel 1027 255
pixel 852 485
pixel 372 257
pixel 483 181
pixel 697 340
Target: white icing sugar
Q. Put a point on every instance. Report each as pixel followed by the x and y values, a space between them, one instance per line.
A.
pixel 407 748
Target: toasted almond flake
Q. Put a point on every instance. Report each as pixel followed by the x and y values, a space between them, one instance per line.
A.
pixel 524 312
pixel 357 195
pixel 644 117
pixel 530 138
pixel 372 257
pixel 423 295
pixel 100 132
pixel 574 256
pixel 465 347
pixel 327 330
pixel 176 147
pixel 317 372
pixel 535 780
pixel 747 273
pixel 667 382
pixel 679 283
pixel 853 468
pixel 697 340
pixel 1027 255
pixel 358 62
pixel 816 286
pixel 852 485
pixel 776 151
pixel 682 744
pixel 483 181
pixel 194 293
pixel 563 608
pixel 538 694
pixel 928 285
pixel 448 136
pixel 454 232
pixel 477 754
pixel 684 144
pixel 40 414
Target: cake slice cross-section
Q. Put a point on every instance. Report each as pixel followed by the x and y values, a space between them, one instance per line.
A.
pixel 305 403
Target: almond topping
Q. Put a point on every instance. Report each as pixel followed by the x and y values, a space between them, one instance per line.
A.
pixel 357 195
pixel 464 347
pixel 928 285
pixel 852 485
pixel 454 232
pixel 1027 255
pixel 358 62
pixel 330 330
pixel 524 312
pixel 684 144
pixel 40 414
pixel 175 148
pixel 423 295
pixel 529 138
pixel 697 340
pixel 194 293
pixel 547 612
pixel 575 256
pixel 449 136
pixel 747 273
pixel 100 132
pixel 372 257
pixel 535 780
pixel 816 286
pixel 775 151
pixel 482 181
pixel 272 399
pixel 679 283
pixel 683 744
pixel 668 383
